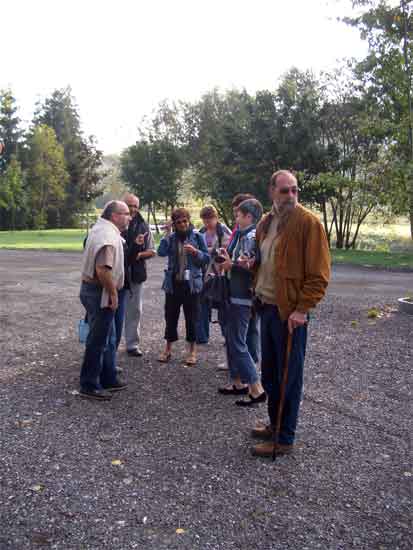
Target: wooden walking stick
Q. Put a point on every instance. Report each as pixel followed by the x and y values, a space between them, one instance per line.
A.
pixel 283 386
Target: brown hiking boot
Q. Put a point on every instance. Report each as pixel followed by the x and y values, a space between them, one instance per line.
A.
pixel 266 449
pixel 262 431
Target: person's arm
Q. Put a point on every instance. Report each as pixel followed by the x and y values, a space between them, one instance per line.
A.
pixel 200 255
pixel 317 265
pixel 165 244
pixel 104 264
pixel 149 251
pixel 104 274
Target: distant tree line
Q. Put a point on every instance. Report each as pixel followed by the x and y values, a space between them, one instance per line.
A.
pixel 49 174
pixel 347 135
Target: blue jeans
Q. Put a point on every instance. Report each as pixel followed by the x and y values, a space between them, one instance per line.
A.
pixel 120 315
pixel 240 362
pixel 253 338
pixel 99 362
pixel 273 345
pixel 202 326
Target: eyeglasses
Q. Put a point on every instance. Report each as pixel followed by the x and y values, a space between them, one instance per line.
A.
pixel 287 190
pixel 181 222
pixel 132 206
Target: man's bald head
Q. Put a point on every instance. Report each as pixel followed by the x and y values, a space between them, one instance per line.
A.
pixel 117 212
pixel 132 202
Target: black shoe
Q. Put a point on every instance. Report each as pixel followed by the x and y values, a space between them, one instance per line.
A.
pixel 135 352
pixel 98 395
pixel 117 386
pixel 233 391
pixel 262 398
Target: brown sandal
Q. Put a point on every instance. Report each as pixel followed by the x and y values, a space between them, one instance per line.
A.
pixel 165 357
pixel 190 361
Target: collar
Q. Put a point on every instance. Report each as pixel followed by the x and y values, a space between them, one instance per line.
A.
pixel 103 221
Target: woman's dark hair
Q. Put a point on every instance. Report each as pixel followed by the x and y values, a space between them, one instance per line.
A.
pixel 208 212
pixel 253 207
pixel 239 198
pixel 178 213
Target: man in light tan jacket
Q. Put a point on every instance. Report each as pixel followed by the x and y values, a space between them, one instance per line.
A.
pixel 291 279
pixel 102 277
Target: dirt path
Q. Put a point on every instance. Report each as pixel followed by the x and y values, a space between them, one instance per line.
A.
pixel 183 449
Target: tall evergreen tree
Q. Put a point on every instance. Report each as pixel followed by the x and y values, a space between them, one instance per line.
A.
pixel 83 159
pixel 10 133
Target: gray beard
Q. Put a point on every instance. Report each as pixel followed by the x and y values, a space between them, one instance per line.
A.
pixel 283 213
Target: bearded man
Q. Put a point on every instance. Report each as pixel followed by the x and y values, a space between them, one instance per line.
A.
pixel 291 279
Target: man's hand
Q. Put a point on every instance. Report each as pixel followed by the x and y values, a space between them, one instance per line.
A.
pixel 189 249
pixel 140 239
pixel 113 300
pixel 296 319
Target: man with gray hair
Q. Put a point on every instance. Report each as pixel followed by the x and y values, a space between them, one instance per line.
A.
pixel 140 247
pixel 102 278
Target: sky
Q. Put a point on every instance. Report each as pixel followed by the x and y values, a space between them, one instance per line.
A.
pixel 122 57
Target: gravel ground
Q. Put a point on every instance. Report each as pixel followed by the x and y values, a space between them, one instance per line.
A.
pixel 182 476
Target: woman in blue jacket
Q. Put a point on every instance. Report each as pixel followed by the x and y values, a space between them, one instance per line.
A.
pixel 187 254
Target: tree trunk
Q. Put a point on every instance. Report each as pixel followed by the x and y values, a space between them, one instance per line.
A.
pixel 154 218
pixel 408 69
pixel 325 221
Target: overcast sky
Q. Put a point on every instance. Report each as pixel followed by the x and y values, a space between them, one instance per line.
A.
pixel 122 57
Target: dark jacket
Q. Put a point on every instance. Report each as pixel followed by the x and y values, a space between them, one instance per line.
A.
pixel 135 269
pixel 169 246
pixel 241 279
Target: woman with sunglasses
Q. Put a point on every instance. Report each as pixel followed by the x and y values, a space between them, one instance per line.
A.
pixel 187 254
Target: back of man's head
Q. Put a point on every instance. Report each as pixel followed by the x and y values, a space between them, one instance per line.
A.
pixel 110 208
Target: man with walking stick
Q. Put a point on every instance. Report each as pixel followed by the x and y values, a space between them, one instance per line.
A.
pixel 292 278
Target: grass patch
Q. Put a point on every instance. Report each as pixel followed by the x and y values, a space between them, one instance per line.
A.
pixel 394 260
pixel 71 240
pixel 49 239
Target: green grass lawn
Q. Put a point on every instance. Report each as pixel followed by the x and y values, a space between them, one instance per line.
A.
pixel 395 260
pixel 50 239
pixel 72 240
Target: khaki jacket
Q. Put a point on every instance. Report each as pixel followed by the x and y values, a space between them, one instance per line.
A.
pixel 302 262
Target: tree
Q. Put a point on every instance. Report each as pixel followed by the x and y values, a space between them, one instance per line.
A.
pixel 10 132
pixel 387 74
pixel 222 148
pixel 46 177
pixel 83 159
pixel 152 170
pixel 12 199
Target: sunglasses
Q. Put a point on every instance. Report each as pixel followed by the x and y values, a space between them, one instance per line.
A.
pixel 286 190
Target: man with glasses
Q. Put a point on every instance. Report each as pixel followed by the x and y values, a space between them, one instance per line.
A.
pixel 102 278
pixel 292 278
pixel 140 247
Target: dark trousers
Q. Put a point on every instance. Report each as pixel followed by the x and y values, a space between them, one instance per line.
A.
pixel 273 347
pixel 99 362
pixel 190 303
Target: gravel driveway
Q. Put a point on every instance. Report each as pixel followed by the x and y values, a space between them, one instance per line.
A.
pixel 166 464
